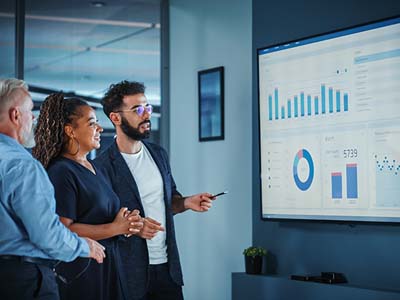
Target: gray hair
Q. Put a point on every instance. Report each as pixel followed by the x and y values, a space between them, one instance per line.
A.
pixel 8 87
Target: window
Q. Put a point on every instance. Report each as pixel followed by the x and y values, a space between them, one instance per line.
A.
pixel 83 47
pixel 7 38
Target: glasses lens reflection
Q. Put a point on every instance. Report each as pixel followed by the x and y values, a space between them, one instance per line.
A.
pixel 140 109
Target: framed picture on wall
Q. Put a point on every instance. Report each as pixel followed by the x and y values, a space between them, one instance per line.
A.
pixel 211 104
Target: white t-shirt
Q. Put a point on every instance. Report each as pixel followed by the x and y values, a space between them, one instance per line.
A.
pixel 151 190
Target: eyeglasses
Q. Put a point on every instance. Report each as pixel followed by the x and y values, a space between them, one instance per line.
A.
pixel 140 110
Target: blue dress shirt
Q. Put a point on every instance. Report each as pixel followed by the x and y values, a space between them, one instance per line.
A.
pixel 29 225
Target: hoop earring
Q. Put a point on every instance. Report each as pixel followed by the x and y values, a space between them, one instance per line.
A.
pixel 78 148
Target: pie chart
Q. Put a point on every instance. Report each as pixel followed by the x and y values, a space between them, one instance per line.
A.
pixel 303 184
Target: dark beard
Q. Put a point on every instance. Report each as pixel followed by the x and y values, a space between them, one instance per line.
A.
pixel 132 132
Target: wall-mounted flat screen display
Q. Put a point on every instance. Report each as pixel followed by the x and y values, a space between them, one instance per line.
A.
pixel 329 120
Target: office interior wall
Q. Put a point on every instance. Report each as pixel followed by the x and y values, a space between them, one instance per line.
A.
pixel 207 34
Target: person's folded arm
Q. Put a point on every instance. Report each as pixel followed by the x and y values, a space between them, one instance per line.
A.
pixel 121 225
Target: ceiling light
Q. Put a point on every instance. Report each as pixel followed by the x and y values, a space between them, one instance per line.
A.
pixel 98 4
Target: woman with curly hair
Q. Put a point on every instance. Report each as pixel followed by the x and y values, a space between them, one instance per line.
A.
pixel 66 132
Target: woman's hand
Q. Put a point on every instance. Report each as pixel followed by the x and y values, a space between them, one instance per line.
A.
pixel 136 221
pixel 127 222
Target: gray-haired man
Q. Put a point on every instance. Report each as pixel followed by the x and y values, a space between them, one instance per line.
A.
pixel 31 235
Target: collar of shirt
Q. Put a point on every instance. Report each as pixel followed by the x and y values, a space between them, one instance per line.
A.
pixel 6 142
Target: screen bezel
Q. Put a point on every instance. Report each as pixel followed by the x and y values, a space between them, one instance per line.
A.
pixel 307 40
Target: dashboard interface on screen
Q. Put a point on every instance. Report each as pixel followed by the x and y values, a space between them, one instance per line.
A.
pixel 329 111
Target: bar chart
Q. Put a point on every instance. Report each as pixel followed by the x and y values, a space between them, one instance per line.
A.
pixel 336 185
pixel 329 101
pixel 351 183
pixel 351 186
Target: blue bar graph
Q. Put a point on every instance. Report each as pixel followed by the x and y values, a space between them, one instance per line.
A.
pixel 351 176
pixel 346 102
pixel 309 105
pixel 330 100
pixel 336 178
pixel 270 107
pixel 323 98
pixel 337 100
pixel 276 105
pixel 316 105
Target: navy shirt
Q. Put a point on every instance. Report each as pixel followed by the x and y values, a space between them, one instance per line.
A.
pixel 87 198
pixel 81 195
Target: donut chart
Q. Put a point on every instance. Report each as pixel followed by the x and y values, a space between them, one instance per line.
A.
pixel 303 154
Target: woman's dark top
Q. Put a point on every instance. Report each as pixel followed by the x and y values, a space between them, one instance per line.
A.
pixel 87 198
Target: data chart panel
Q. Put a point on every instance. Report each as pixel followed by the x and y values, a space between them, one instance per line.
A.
pixel 329 119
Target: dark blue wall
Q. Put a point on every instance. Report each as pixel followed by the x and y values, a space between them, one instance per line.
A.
pixel 368 254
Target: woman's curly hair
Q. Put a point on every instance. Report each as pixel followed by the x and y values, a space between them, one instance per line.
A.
pixel 50 139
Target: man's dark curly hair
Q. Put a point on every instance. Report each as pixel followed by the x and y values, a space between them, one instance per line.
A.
pixel 112 100
pixel 55 112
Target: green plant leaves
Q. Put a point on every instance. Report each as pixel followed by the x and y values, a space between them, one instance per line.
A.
pixel 255 251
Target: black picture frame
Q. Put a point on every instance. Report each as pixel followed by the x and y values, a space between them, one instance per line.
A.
pixel 211 104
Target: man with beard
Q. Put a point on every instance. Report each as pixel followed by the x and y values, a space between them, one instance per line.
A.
pixel 140 174
pixel 31 235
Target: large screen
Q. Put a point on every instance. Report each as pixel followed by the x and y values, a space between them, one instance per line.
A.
pixel 329 119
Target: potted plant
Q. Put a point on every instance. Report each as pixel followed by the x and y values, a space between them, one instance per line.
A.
pixel 253 259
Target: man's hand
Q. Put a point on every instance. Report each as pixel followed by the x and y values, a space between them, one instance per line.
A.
pixel 96 250
pixel 201 202
pixel 150 228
